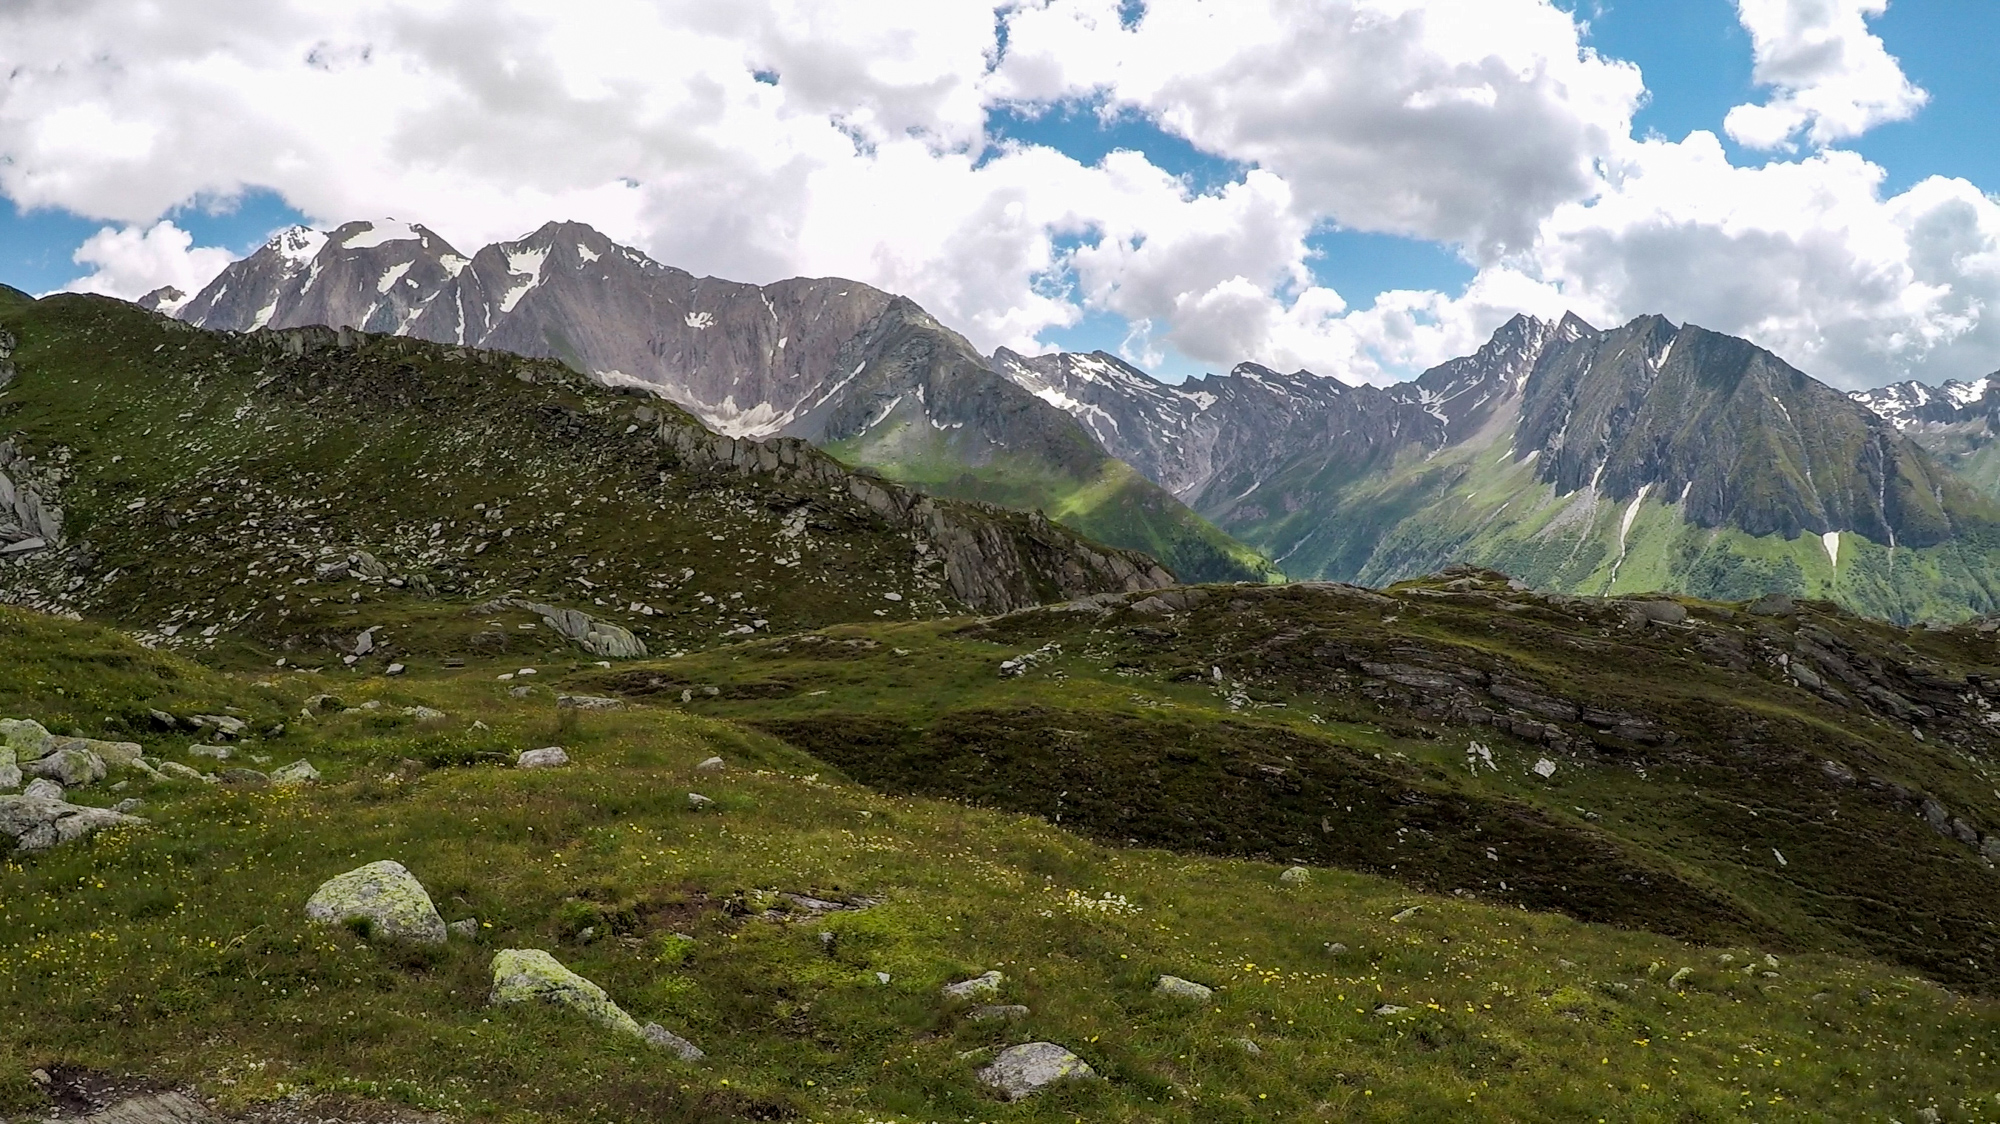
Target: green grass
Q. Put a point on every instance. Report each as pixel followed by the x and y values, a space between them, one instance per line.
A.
pixel 179 950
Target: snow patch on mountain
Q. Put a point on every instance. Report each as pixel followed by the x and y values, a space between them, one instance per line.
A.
pixel 378 233
pixel 396 273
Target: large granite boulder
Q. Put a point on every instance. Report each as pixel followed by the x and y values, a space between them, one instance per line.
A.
pixel 27 738
pixel 39 821
pixel 1019 1072
pixel 68 765
pixel 384 894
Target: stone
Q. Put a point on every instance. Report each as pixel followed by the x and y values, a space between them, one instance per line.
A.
pixel 551 757
pixel 1295 876
pixel 128 806
pixel 1407 914
pixel 1178 988
pixel 243 778
pixel 1772 605
pixel 1019 1072
pixel 423 713
pixel 385 894
pixel 69 766
pixel 1005 1012
pixel 468 929
pixel 1387 1009
pixel 1250 1047
pixel 712 765
pixel 520 692
pixel 335 571
pixel 1679 977
pixel 1657 612
pixel 164 720
pixel 1545 768
pixel 696 802
pixel 36 822
pixel 10 773
pixel 599 638
pixel 530 975
pixel 115 755
pixel 27 738
pixel 224 725
pixel 154 1108
pixel 44 790
pixel 145 768
pixel 985 986
pixel 1335 948
pixel 587 702
pixel 394 669
pixel 175 771
pixel 215 752
pixel 661 1038
pixel 295 774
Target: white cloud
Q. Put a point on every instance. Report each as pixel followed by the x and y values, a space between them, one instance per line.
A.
pixel 131 261
pixel 1832 78
pixel 1485 124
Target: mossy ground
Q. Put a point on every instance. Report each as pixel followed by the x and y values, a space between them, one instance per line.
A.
pixel 180 950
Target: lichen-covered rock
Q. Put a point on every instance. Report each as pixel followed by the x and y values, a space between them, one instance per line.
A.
pixel 68 766
pixel 36 822
pixel 26 738
pixel 385 894
pixel 661 1038
pixel 1022 1071
pixel 1178 988
pixel 212 752
pixel 10 772
pixel 984 986
pixel 44 789
pixel 1295 876
pixel 1005 1012
pixel 295 774
pixel 115 755
pixel 587 702
pixel 529 975
pixel 243 778
pixel 175 771
pixel 551 757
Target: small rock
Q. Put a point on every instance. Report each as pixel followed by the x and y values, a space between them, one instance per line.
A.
pixel 423 713
pixel 696 802
pixel 1408 913
pixel 712 765
pixel 882 978
pixel 128 806
pixel 467 929
pixel 550 758
pixel 1179 988
pixel 163 719
pixel 175 771
pixel 520 692
pixel 217 752
pixel 388 896
pixel 1387 1009
pixel 587 702
pixel 664 1039
pixel 44 789
pixel 1545 768
pixel 1250 1047
pixel 1336 948
pixel 530 975
pixel 243 778
pixel 394 669
pixel 295 774
pixel 225 726
pixel 1679 977
pixel 1004 1012
pixel 1022 1071
pixel 985 986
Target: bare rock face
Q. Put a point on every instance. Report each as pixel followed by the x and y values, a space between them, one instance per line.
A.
pixel 38 822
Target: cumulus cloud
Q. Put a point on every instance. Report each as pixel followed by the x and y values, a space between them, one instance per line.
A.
pixel 1831 78
pixel 769 138
pixel 131 261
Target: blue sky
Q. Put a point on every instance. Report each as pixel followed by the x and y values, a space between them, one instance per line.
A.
pixel 1695 55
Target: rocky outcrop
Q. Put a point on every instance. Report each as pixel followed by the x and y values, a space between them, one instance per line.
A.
pixel 530 975
pixel 599 638
pixel 995 560
pixel 30 517
pixel 6 359
pixel 38 820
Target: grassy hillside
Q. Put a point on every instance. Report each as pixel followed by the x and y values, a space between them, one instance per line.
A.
pixel 179 950
pixel 208 481
pixel 1108 501
pixel 1474 503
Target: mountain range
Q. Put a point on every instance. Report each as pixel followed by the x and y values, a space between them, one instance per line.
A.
pixel 866 375
pixel 1581 459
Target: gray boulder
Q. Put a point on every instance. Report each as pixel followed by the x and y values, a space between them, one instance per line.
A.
pixel 587 702
pixel 175 771
pixel 243 778
pixel 661 1038
pixel 213 752
pixel 44 789
pixel 295 774
pixel 1773 605
pixel 115 755
pixel 10 773
pixel 69 766
pixel 697 802
pixel 550 758
pixel 1022 1071
pixel 224 725
pixel 984 986
pixel 387 896
pixel 599 638
pixel 1003 1012
pixel 1178 988
pixel 530 975
pixel 466 929
pixel 712 765
pixel 26 738
pixel 37 823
